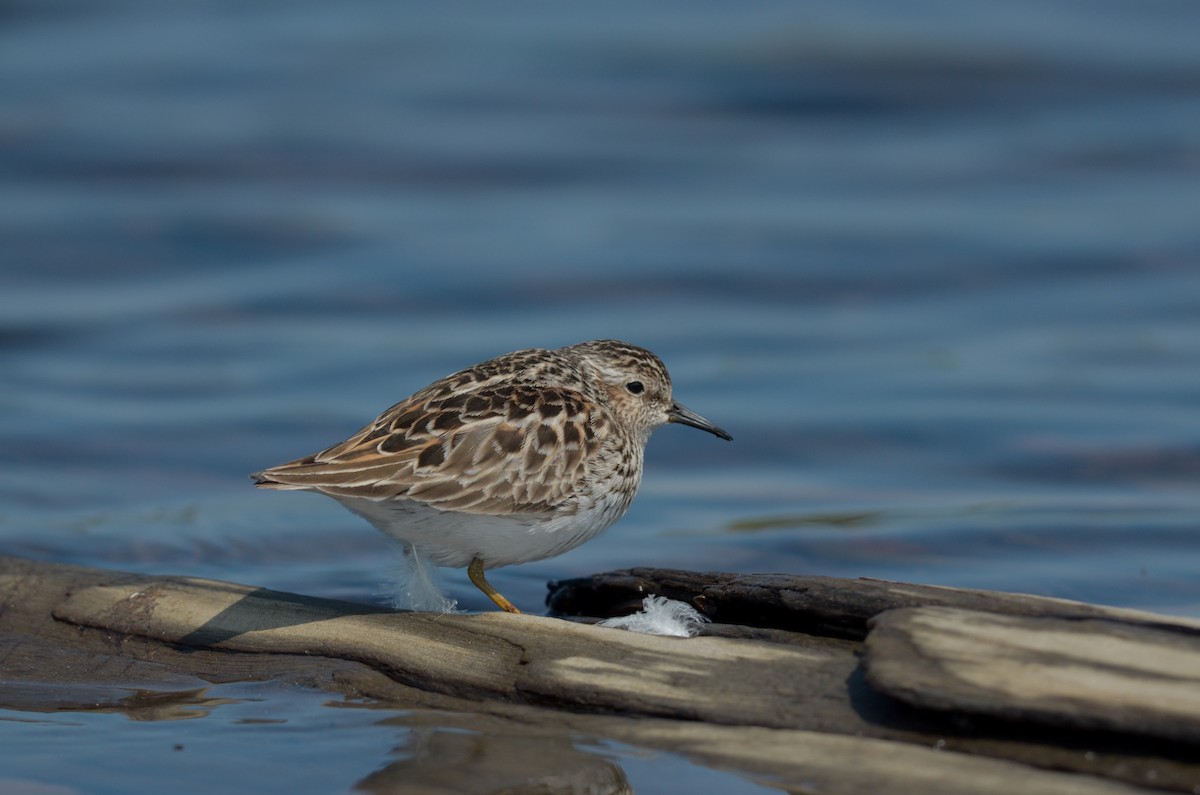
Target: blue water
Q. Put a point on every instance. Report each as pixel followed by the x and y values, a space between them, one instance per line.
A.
pixel 935 266
pixel 263 738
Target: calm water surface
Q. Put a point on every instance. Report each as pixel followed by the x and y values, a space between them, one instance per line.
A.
pixel 936 267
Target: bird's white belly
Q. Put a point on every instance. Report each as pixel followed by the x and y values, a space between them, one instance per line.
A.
pixel 448 538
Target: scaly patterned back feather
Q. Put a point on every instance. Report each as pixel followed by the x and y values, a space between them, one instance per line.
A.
pixel 525 433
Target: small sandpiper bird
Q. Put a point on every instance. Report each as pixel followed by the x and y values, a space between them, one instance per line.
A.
pixel 519 458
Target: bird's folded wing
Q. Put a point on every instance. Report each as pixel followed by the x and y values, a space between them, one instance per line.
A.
pixel 503 449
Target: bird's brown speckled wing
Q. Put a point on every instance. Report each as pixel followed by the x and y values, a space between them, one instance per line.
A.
pixel 500 448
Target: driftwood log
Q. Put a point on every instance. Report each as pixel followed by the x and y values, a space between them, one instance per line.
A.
pixel 951 690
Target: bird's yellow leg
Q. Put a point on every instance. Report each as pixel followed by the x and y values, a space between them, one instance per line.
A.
pixel 475 572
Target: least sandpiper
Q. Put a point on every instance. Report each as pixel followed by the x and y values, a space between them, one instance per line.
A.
pixel 519 458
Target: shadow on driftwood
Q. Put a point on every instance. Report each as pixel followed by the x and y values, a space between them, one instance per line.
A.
pixel 264 610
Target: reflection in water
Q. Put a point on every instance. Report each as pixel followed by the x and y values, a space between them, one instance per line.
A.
pixel 135 704
pixel 454 761
pixel 166 705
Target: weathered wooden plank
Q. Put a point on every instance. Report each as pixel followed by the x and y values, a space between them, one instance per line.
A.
pixel 519 658
pixel 1089 673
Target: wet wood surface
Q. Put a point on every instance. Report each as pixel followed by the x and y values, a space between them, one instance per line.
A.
pixel 778 689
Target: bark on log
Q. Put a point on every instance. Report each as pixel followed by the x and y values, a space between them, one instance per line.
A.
pixel 817 605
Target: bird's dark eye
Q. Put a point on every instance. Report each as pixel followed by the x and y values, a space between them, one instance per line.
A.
pixel 636 387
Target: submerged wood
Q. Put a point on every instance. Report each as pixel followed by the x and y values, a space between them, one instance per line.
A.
pixel 784 704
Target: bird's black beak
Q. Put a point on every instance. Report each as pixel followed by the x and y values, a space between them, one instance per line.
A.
pixel 685 416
